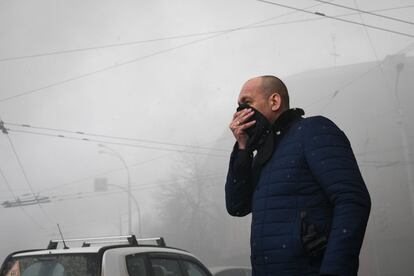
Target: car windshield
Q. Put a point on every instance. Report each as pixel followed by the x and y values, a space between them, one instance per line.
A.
pixel 52 265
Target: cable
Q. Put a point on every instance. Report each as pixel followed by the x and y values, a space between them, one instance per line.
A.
pixel 115 137
pixel 371 43
pixel 27 179
pixel 140 58
pixel 136 187
pixel 406 49
pixel 338 19
pixel 167 50
pixel 117 143
pixel 143 41
pixel 181 46
pixel 107 46
pixel 7 184
pixel 20 207
pixel 21 167
pixel 367 12
pixel 136 42
pixel 378 62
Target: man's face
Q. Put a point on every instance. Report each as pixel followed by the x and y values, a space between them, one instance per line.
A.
pixel 252 95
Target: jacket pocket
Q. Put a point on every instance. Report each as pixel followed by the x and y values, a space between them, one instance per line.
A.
pixel 314 239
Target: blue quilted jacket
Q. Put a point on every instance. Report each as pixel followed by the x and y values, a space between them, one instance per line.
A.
pixel 309 203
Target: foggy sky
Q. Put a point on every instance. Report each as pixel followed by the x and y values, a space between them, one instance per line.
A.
pixel 170 90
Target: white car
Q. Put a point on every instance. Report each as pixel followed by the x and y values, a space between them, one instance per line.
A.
pixel 231 271
pixel 131 258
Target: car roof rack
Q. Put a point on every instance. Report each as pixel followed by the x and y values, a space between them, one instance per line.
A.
pixel 130 239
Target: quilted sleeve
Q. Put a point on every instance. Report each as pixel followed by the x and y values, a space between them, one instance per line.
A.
pixel 238 188
pixel 333 164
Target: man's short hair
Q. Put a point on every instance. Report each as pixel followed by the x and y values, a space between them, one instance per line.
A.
pixel 272 84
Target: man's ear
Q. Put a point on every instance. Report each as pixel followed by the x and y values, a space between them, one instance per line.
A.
pixel 275 101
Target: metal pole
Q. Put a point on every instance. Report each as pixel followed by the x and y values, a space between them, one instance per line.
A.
pixel 128 184
pixel 131 196
pixel 404 138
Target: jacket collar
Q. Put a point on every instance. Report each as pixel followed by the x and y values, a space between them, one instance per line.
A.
pixel 271 139
pixel 286 118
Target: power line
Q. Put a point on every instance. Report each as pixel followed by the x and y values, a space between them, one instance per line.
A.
pixel 146 40
pixel 7 184
pixel 173 37
pixel 115 137
pixel 379 63
pixel 363 11
pixel 116 143
pixel 113 45
pixel 142 57
pixel 218 33
pixel 26 178
pixel 371 43
pixel 16 198
pixel 329 98
pixel 338 19
pixel 137 187
pixel 21 167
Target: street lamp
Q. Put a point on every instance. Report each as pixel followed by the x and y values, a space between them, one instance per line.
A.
pixel 128 190
pixel 130 196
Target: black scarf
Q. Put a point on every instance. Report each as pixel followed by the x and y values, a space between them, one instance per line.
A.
pixel 271 138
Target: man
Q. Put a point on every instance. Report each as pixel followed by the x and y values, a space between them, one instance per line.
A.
pixel 300 180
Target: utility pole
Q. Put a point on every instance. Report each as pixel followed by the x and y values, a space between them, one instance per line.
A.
pixel 101 185
pixel 399 67
pixel 119 156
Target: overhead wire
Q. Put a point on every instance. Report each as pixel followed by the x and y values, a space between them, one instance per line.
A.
pixel 7 184
pixel 31 218
pixel 371 44
pixel 366 12
pixel 27 182
pixel 136 187
pixel 337 18
pixel 233 29
pixel 112 137
pixel 219 33
pixel 406 49
pixel 117 143
pixel 173 37
pixel 117 65
pixel 115 137
pixel 148 40
pixel 32 191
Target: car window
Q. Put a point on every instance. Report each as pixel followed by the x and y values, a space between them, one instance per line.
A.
pixel 165 267
pixel 193 269
pixel 52 265
pixel 136 265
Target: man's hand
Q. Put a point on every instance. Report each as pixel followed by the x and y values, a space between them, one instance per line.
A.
pixel 238 126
